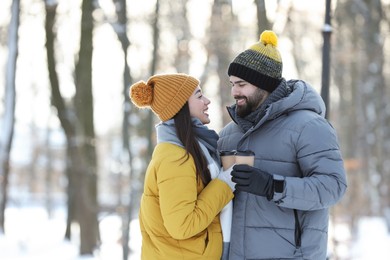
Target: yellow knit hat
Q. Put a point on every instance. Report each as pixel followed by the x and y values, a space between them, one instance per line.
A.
pixel 261 64
pixel 165 94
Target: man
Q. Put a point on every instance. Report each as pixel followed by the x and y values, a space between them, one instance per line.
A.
pixel 281 204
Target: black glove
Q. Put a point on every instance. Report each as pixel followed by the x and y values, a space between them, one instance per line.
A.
pixel 253 180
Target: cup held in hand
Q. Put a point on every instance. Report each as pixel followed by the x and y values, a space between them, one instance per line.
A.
pixel 227 158
pixel 245 157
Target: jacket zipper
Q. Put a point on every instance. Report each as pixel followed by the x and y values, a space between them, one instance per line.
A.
pixel 298 230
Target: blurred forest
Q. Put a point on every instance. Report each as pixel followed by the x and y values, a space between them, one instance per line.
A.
pixel 71 138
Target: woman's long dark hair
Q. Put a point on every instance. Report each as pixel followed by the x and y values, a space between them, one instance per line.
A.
pixel 187 136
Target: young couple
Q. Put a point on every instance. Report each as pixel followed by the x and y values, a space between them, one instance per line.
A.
pixel 280 204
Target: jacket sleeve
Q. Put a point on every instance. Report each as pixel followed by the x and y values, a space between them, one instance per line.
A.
pixel 186 212
pixel 323 181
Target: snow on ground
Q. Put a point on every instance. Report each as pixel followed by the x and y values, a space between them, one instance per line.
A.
pixel 373 240
pixel 32 235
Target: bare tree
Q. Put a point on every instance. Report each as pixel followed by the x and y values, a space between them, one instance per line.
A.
pixel 120 28
pixel 359 73
pixel 87 208
pixel 181 29
pixel 262 21
pixel 153 68
pixel 64 112
pixel 78 125
pixel 223 26
pixel 374 100
pixel 9 111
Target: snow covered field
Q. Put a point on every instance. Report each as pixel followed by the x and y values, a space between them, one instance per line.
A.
pixel 32 235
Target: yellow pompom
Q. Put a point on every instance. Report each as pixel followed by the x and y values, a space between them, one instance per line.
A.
pixel 269 37
pixel 141 94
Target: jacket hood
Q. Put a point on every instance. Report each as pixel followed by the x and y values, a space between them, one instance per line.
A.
pixel 302 97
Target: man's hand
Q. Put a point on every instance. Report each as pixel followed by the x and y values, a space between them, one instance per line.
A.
pixel 253 180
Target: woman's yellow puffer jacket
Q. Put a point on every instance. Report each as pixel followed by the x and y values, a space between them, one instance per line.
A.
pixel 179 217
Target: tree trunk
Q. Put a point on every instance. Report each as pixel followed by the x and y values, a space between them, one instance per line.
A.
pixel 181 28
pixel 359 74
pixel 373 93
pixel 9 111
pixel 126 213
pixel 150 120
pixel 81 165
pixel 64 114
pixel 262 21
pixel 219 47
pixel 87 206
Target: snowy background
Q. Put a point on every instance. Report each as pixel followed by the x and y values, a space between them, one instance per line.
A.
pixel 32 235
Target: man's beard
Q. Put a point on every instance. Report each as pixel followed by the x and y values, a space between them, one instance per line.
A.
pixel 251 104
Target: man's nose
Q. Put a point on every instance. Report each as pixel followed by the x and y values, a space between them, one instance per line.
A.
pixel 234 91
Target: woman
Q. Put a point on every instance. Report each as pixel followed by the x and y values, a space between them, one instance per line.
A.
pixel 184 189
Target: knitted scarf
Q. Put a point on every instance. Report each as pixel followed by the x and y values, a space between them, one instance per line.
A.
pixel 166 132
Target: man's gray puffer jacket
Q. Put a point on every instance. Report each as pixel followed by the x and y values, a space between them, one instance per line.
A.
pixel 294 142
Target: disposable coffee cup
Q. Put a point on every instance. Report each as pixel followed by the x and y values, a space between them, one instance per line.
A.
pixel 227 158
pixel 245 157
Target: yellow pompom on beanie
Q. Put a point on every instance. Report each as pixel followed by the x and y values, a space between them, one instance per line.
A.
pixel 261 64
pixel 165 94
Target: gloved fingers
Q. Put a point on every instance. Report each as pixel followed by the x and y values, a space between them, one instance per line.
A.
pixel 240 174
pixel 240 181
pixel 243 168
